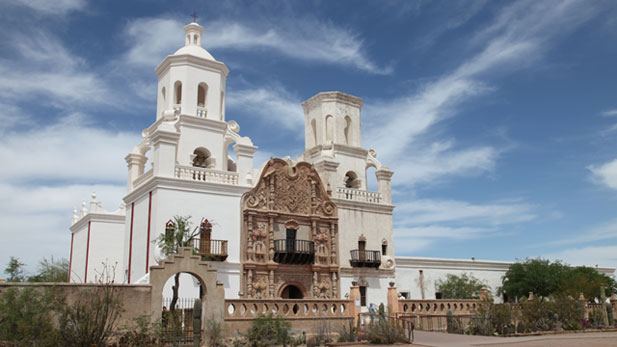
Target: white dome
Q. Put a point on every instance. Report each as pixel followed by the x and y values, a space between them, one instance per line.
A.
pixel 196 51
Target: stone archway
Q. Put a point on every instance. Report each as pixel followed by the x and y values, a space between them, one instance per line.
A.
pixel 213 300
pixel 292 290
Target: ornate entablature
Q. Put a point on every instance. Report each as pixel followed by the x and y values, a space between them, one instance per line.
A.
pixel 289 235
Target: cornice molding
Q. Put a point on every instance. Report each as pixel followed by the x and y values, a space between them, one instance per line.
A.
pixel 324 97
pixel 97 217
pixel 201 123
pixel 155 183
pixel 186 59
pixel 363 206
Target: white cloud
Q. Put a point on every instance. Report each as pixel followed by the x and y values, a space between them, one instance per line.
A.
pixel 606 231
pixel 605 256
pixel 404 128
pixel 605 174
pixel 428 221
pixel 66 150
pixel 36 219
pixel 55 7
pixel 270 104
pixel 44 67
pixel 302 39
pixel 609 113
pixel 426 211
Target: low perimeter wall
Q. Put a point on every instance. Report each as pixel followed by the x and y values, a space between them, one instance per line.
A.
pixel 302 314
pixel 136 298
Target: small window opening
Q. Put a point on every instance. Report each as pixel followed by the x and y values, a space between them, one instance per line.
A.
pixel 351 180
pixel 363 296
pixel 384 248
pixel 202 91
pixel 178 93
pixel 438 296
pixel 201 158
pixel 347 130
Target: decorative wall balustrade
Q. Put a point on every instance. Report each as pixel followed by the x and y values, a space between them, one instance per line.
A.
pixel 143 178
pixel 438 307
pixel 206 175
pixel 202 112
pixel 357 195
pixel 213 249
pixel 243 309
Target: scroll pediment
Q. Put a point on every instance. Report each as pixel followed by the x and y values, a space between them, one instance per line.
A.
pixel 290 189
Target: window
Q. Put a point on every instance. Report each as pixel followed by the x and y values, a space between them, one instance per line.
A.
pixel 438 296
pixel 362 295
pixel 202 92
pixel 329 128
pixel 314 130
pixel 351 180
pixel 348 130
pixel 201 158
pixel 384 248
pixel 178 89
pixel 361 250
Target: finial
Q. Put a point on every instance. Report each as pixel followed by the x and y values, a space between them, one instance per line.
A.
pixel 194 15
pixel 93 196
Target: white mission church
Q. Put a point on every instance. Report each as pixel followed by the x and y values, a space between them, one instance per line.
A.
pixel 292 228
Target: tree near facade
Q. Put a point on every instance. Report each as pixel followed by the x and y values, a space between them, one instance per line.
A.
pixel 15 270
pixel 51 271
pixel 459 287
pixel 585 280
pixel 177 234
pixel 544 278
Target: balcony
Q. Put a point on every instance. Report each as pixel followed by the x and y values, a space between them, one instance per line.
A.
pixel 194 173
pixel 299 252
pixel 362 258
pixel 215 250
pixel 357 195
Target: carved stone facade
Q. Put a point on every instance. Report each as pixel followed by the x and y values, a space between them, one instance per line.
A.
pixel 289 200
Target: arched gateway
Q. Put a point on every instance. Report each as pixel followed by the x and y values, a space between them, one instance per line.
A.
pixel 213 300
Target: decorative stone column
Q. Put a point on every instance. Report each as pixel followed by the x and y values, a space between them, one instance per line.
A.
pixel 244 163
pixel 135 162
pixel 327 172
pixel 354 296
pixel 164 143
pixel 393 306
pixel 384 176
pixel 583 302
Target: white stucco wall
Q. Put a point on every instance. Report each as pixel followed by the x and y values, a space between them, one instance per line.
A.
pixel 78 256
pixel 435 269
pixel 215 202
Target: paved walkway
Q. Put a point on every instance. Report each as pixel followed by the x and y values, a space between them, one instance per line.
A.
pixel 426 338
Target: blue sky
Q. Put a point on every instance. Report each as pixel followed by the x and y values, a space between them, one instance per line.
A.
pixel 499 118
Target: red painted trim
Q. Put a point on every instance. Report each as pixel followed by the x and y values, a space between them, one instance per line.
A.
pixel 71 258
pixel 148 237
pixel 131 241
pixel 87 253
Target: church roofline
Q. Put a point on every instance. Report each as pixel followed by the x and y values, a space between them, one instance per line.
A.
pixel 332 97
pixel 185 59
pixel 469 264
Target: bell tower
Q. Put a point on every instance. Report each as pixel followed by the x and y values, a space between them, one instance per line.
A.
pixel 191 81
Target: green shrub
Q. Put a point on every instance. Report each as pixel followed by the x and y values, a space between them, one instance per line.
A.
pixel 141 333
pixel 267 331
pixel 26 317
pixel 385 331
pixel 348 335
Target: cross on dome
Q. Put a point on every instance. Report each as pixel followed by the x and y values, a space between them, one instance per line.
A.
pixel 194 15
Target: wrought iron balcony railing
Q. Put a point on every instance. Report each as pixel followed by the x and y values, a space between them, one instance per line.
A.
pixel 294 251
pixel 363 258
pixel 211 249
